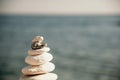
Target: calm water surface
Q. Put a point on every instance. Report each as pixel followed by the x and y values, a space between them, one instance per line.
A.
pixel 84 47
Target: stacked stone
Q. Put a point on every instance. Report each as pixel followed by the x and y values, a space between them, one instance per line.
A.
pixel 39 62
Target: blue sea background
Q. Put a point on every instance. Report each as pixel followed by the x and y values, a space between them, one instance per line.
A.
pixel 84 47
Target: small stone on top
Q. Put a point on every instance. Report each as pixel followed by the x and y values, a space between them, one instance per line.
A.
pixel 37 43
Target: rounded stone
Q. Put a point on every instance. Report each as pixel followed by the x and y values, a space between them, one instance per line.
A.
pixel 40 69
pixel 48 76
pixel 38 51
pixel 38 59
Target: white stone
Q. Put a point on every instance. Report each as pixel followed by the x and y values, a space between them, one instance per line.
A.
pixel 40 69
pixel 38 51
pixel 38 59
pixel 48 76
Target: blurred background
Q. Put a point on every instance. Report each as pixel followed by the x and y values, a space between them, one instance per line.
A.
pixel 84 37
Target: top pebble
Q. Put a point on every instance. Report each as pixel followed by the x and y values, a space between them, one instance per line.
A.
pixel 37 43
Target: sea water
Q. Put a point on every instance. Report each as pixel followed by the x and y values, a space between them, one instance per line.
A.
pixel 83 47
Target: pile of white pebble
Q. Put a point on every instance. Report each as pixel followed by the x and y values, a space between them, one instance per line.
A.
pixel 38 58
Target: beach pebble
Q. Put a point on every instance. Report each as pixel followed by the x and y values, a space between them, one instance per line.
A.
pixel 38 59
pixel 38 39
pixel 48 76
pixel 40 69
pixel 38 51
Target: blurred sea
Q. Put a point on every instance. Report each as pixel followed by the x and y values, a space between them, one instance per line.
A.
pixel 84 47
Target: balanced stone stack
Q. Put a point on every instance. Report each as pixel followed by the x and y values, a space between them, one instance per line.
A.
pixel 39 62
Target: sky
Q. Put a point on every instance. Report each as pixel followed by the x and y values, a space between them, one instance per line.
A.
pixel 60 7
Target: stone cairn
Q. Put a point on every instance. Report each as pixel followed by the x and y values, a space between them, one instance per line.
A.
pixel 38 58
